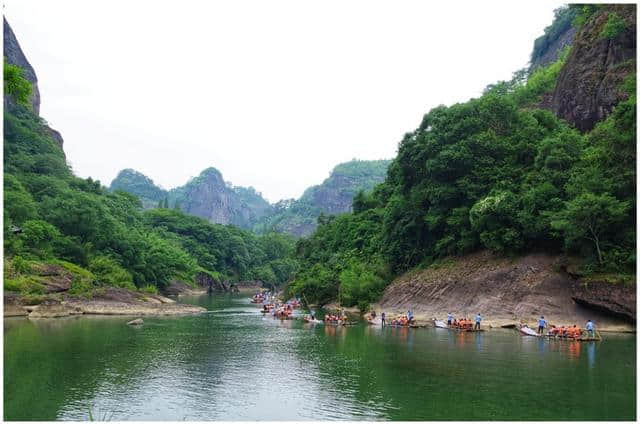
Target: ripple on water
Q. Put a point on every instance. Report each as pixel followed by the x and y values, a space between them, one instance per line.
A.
pixel 233 363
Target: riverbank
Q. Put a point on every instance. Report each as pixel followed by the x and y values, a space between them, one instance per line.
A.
pixel 508 292
pixel 108 301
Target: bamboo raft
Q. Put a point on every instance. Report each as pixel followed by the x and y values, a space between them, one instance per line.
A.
pixel 526 331
pixel 339 323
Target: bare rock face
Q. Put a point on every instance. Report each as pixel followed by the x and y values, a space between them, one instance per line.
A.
pixel 588 86
pixel 14 305
pixel 15 56
pixel 53 309
pixel 614 299
pixel 210 197
pixel 506 290
pixel 206 197
pixel 177 287
pixel 553 51
pixel 205 281
pixel 54 278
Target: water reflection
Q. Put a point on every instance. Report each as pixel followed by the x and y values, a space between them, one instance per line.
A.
pixel 591 353
pixel 574 350
pixel 479 336
pixel 233 363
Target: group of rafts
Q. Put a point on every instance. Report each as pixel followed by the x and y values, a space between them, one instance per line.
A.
pixel 560 332
pixel 271 305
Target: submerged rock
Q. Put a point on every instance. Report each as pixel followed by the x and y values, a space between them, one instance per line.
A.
pixel 135 322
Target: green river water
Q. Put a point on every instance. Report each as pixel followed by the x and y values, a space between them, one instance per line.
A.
pixel 232 363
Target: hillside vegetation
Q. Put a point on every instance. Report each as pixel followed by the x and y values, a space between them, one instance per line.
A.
pixel 497 173
pixel 334 196
pixel 52 217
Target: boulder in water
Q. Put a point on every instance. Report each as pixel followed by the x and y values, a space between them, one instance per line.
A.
pixel 135 322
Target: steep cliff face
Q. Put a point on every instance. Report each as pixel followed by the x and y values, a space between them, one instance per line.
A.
pixel 589 85
pixel 208 196
pixel 557 36
pixel 14 55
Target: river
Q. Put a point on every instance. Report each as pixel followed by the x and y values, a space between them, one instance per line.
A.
pixel 232 364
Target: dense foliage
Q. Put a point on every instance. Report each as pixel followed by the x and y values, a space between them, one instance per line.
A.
pixel 138 184
pixel 494 173
pixel 16 87
pixel 52 216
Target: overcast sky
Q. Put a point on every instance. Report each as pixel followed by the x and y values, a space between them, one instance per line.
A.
pixel 272 93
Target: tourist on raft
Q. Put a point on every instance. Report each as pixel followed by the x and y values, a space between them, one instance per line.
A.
pixel 541 324
pixel 382 316
pixel 590 327
pixel 410 316
pixel 478 320
pixel 449 319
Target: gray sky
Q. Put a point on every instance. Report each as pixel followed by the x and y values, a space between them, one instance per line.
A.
pixel 272 93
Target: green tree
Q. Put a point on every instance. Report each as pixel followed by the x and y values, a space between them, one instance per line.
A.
pixel 15 85
pixel 38 237
pixel 590 217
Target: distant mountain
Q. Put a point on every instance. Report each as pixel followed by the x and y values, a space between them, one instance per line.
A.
pixel 138 184
pixel 207 196
pixel 333 196
pixel 210 197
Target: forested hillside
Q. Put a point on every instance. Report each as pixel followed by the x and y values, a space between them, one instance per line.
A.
pixel 56 221
pixel 138 184
pixel 334 196
pixel 502 172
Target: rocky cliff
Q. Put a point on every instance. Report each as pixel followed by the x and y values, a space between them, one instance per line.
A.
pixel 13 54
pixel 207 196
pixel 602 55
pixel 557 36
pixel 507 291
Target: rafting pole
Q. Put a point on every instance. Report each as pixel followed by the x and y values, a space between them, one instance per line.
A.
pixel 306 301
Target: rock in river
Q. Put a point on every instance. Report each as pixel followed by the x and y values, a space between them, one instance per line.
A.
pixel 136 322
